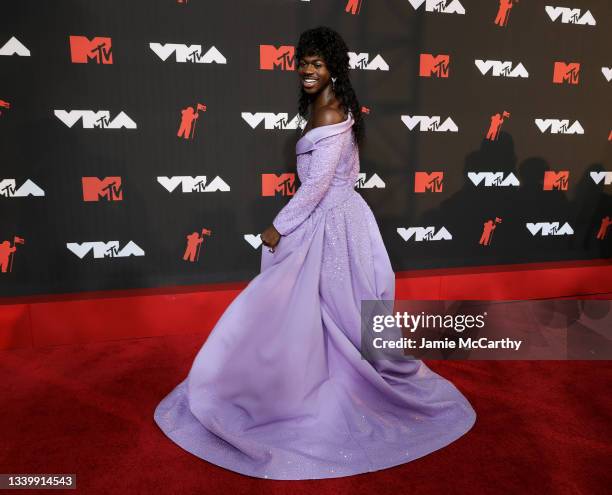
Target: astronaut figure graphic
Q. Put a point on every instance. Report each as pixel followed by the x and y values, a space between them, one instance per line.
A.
pixel 603 228
pixel 194 242
pixel 6 250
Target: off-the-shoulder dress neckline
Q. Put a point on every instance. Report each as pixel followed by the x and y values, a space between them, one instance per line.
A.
pixel 348 117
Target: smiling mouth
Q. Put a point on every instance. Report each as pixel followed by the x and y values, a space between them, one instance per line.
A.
pixel 309 82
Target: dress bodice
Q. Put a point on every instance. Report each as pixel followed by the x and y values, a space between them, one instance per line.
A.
pixel 347 169
pixel 328 166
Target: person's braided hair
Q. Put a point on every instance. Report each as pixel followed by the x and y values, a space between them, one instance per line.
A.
pixel 329 45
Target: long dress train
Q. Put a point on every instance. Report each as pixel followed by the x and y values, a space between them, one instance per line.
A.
pixel 279 389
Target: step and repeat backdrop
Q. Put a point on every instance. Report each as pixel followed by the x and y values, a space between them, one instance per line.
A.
pixel 148 143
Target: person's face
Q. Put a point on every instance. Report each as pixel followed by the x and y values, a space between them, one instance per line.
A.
pixel 313 73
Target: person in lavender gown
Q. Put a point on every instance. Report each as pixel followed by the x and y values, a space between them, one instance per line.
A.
pixel 280 389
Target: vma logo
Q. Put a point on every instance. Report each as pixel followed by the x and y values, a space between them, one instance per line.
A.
pixel 271 120
pixel 434 66
pixel 570 16
pixel 599 177
pixel 101 249
pixel 95 120
pixel 8 189
pixel 193 184
pixel 374 182
pixel 566 73
pixel 556 126
pixel 98 49
pixel 493 179
pixel 271 58
pixel 362 61
pixel 549 228
pixel 441 6
pixel 420 234
pixel 429 124
pixel 188 53
pixel 558 181
pixel 501 69
pixel 108 188
pixel 283 184
pixel 254 240
pixel 426 181
pixel 14 47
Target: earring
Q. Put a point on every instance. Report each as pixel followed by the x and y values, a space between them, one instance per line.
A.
pixel 333 81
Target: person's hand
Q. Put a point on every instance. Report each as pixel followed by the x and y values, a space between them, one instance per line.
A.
pixel 270 237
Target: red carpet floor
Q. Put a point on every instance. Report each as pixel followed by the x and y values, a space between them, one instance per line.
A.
pixel 542 427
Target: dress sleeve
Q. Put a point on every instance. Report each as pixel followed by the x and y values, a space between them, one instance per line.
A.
pixel 323 163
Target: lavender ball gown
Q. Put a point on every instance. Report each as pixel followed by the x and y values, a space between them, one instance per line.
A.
pixel 279 389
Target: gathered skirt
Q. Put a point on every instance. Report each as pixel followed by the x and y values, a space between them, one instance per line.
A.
pixel 280 390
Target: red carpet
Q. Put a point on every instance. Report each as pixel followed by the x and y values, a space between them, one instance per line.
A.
pixel 542 427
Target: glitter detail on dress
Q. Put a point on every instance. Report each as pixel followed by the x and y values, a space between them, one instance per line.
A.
pixel 280 390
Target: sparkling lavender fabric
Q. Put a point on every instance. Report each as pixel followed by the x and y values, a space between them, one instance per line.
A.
pixel 279 389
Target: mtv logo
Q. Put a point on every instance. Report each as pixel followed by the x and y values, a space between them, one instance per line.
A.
pixel 436 66
pixel 424 181
pixel 99 49
pixel 283 184
pixel 108 188
pixel 566 73
pixel 556 180
pixel 271 58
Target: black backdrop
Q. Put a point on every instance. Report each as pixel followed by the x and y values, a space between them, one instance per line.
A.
pixel 38 146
